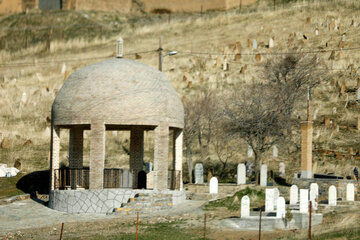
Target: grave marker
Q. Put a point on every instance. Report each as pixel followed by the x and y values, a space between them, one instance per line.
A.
pixel 358 94
pixel 294 195
pixel 245 206
pixel 249 167
pixel 350 190
pixel 332 195
pixel 263 175
pixel 304 200
pixel 314 194
pixel 276 196
pixel 282 169
pixel 249 151
pixel 269 200
pixel 280 210
pixel 199 173
pixel 275 151
pixel 254 44
pixel 241 174
pixel 271 43
pixel 213 186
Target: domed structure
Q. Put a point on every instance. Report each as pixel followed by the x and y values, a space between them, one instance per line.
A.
pixel 119 95
pixel 118 91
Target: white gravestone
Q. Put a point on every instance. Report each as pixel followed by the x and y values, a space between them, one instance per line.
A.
pixel 358 94
pixel 254 44
pixel 245 206
pixel 314 194
pixel 213 186
pixel 280 210
pixel 304 200
pixel 350 190
pixel 332 195
pixel 282 169
pixel 271 43
pixel 199 173
pixel 294 195
pixel 249 151
pixel 241 174
pixel 269 200
pixel 263 175
pixel 275 151
pixel 276 196
pixel 316 32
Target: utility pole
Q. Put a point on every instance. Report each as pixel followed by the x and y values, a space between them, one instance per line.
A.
pixel 160 54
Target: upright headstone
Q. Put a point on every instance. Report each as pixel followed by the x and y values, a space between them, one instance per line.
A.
pixel 275 151
pixel 282 169
pixel 263 175
pixel 350 190
pixel 276 196
pixel 314 194
pixel 241 174
pixel 358 94
pixel 304 200
pixel 332 195
pixel 271 43
pixel 280 210
pixel 254 44
pixel 249 168
pixel 199 173
pixel 316 32
pixel 249 151
pixel 213 186
pixel 294 195
pixel 269 200
pixel 245 206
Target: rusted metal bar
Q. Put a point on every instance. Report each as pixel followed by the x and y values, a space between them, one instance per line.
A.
pixel 137 225
pixel 310 220
pixel 260 223
pixel 205 226
pixel 61 232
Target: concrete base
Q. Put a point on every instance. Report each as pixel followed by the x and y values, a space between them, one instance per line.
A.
pixel 101 201
pixel 269 222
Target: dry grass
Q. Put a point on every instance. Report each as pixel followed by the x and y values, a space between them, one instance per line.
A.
pixel 210 34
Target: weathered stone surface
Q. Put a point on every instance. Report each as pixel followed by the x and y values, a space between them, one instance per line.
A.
pixel 269 200
pixel 263 175
pixel 332 196
pixel 199 173
pixel 241 174
pixel 294 192
pixel 280 209
pixel 304 200
pixel 245 206
pixel 350 190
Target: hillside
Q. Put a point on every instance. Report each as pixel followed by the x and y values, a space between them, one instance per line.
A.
pixel 31 77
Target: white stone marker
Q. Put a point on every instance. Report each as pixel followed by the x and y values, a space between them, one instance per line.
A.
pixel 314 194
pixel 269 200
pixel 249 151
pixel 358 94
pixel 254 44
pixel 304 200
pixel 294 195
pixel 213 186
pixel 241 174
pixel 276 196
pixel 280 210
pixel 245 206
pixel 199 173
pixel 275 151
pixel 332 195
pixel 282 169
pixel 271 43
pixel 263 175
pixel 350 190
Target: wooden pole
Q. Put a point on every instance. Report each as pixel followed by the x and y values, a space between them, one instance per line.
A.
pixel 61 231
pixel 137 225
pixel 205 226
pixel 160 54
pixel 260 223
pixel 310 220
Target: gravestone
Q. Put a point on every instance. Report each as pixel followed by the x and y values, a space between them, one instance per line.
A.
pixel 213 186
pixel 350 190
pixel 314 194
pixel 199 174
pixel 249 168
pixel 358 94
pixel 269 200
pixel 316 32
pixel 245 206
pixel 263 175
pixel 254 44
pixel 304 200
pixel 249 151
pixel 241 174
pixel 343 37
pixel 282 169
pixel 275 151
pixel 294 195
pixel 271 43
pixel 332 195
pixel 276 196
pixel 280 210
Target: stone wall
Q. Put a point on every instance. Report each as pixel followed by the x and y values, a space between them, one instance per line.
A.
pixel 324 185
pixel 100 201
pixel 223 189
pixel 16 6
pixel 123 6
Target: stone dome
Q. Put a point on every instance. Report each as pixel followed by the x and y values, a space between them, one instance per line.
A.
pixel 118 91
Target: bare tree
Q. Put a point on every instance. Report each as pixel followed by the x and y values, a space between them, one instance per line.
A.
pixel 261 113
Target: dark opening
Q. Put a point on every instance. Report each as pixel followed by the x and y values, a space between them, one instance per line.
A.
pixel 142 180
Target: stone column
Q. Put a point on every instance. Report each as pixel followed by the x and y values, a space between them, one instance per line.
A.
pixel 97 155
pixel 177 154
pixel 76 140
pixel 136 152
pixel 55 153
pixel 306 149
pixel 161 152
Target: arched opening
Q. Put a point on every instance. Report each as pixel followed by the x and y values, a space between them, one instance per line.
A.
pixel 142 180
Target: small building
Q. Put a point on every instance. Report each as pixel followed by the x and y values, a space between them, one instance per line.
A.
pixel 115 95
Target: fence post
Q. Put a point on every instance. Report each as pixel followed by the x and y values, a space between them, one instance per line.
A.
pixel 260 223
pixel 310 220
pixel 204 226
pixel 61 231
pixel 137 225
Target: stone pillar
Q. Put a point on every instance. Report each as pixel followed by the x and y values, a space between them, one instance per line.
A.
pixel 306 149
pixel 76 140
pixel 136 152
pixel 55 153
pixel 161 152
pixel 97 155
pixel 178 154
